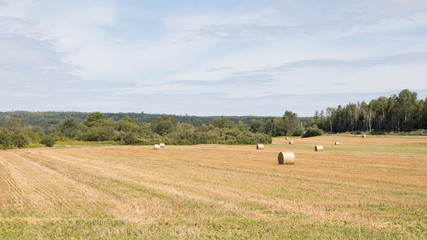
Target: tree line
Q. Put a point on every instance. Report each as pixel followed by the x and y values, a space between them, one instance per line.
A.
pixel 97 127
pixel 398 113
pixel 46 120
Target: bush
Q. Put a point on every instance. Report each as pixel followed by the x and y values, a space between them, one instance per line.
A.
pixel 312 131
pixel 21 140
pixel 6 139
pixel 298 132
pixel 47 140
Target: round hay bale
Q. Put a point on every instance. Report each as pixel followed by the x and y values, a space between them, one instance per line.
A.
pixel 318 148
pixel 286 138
pixel 162 145
pixel 156 146
pixel 337 143
pixel 363 136
pixel 260 146
pixel 286 158
pixel 291 142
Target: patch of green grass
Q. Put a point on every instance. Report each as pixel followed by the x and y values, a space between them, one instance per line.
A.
pixel 294 227
pixel 379 148
pixel 227 226
pixel 72 143
pixel 133 190
pixel 70 229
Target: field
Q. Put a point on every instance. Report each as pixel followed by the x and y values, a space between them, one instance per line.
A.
pixel 372 188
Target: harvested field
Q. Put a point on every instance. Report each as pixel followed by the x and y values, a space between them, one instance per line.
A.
pixel 368 188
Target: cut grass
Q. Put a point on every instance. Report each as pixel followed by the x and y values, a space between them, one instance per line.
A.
pixel 356 190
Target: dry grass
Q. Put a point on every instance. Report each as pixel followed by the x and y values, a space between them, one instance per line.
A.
pixel 363 188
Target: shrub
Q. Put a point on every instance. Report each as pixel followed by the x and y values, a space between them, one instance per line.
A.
pixel 6 139
pixel 298 132
pixel 313 131
pixel 47 140
pixel 21 140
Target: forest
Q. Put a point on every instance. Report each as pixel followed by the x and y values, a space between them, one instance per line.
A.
pixel 46 120
pixel 398 113
pixel 15 133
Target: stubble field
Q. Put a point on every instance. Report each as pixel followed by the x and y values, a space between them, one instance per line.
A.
pixel 372 188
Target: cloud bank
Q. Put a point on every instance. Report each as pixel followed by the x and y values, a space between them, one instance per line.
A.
pixel 216 58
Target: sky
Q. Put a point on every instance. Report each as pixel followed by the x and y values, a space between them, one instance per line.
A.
pixel 209 58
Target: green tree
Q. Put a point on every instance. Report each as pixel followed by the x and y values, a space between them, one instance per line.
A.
pixel 393 114
pixel 93 118
pixel 421 115
pixel 276 127
pixel 15 125
pixel 292 124
pixel 68 128
pixel 378 107
pixel 329 116
pixel 256 126
pixel 6 139
pixel 164 125
pixel 21 140
pixel 222 123
pixel 406 105
pixel 47 140
pixel 309 123
pixel 312 132
pixel 127 124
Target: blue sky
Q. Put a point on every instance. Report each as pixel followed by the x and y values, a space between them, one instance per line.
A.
pixel 206 58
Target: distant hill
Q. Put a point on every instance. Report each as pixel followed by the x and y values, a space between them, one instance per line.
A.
pixel 48 119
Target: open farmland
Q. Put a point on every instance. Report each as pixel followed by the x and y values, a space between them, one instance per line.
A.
pixel 374 187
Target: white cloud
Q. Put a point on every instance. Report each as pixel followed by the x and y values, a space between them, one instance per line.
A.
pixel 231 51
